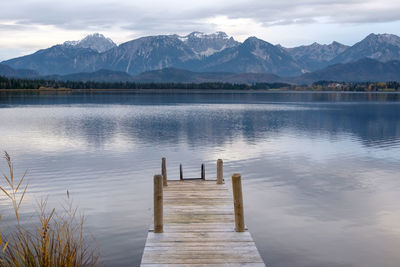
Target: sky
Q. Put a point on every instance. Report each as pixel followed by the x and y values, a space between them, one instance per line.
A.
pixel 29 25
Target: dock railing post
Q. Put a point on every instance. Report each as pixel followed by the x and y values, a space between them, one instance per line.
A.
pixel 238 202
pixel 164 171
pixel 158 204
pixel 220 173
pixel 180 172
pixel 203 172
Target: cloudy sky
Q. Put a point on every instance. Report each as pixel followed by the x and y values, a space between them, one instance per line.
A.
pixel 28 25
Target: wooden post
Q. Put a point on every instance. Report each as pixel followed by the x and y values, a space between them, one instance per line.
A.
pixel 180 172
pixel 158 203
pixel 238 202
pixel 164 171
pixel 203 172
pixel 220 174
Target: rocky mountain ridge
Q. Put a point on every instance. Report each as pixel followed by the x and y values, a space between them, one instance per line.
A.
pixel 199 52
pixel 94 41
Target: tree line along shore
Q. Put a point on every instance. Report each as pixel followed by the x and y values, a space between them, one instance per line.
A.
pixel 29 84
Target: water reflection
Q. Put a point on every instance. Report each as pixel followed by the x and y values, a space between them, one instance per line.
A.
pixel 372 124
pixel 321 170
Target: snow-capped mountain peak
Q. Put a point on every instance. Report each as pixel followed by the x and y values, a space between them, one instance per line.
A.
pixel 96 41
pixel 383 38
pixel 207 44
pixel 216 35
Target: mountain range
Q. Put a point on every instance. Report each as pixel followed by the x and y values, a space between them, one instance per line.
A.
pixel 210 57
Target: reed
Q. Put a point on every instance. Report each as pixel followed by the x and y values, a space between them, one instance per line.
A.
pixel 57 239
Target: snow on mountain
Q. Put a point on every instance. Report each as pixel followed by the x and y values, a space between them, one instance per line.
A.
pixel 146 53
pixel 58 59
pixel 197 51
pixel 382 47
pixel 96 41
pixel 252 56
pixel 207 44
pixel 316 56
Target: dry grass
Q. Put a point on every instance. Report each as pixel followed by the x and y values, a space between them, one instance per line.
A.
pixel 57 240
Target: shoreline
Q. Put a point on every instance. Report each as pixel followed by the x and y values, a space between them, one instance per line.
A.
pixel 192 91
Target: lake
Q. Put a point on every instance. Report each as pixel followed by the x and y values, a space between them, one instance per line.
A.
pixel 320 171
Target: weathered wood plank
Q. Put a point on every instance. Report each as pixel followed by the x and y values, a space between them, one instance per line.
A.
pixel 207 265
pixel 181 203
pixel 200 237
pixel 204 249
pixel 189 208
pixel 227 259
pixel 245 256
pixel 189 193
pixel 201 245
pixel 198 227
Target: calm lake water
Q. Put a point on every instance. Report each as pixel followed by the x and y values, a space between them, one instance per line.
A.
pixel 320 170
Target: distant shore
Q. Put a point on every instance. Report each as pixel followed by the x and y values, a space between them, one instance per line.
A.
pixel 41 86
pixel 194 91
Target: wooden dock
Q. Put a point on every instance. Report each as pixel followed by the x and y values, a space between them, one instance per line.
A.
pixel 196 224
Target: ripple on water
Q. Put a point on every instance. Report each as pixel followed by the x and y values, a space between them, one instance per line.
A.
pixel 320 178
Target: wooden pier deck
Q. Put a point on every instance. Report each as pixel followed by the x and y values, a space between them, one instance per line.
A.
pixel 199 229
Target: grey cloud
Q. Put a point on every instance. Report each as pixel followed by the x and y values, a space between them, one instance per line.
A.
pixel 157 26
pixel 289 21
pixel 13 27
pixel 333 11
pixel 171 16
